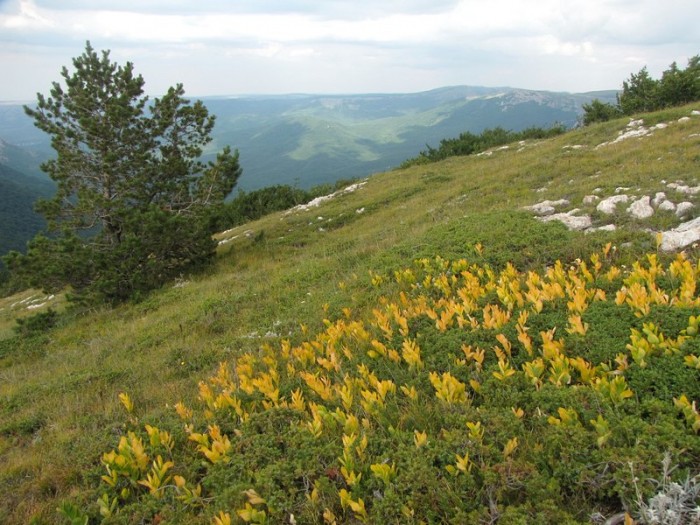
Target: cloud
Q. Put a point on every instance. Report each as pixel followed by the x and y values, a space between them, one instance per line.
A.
pixel 28 16
pixel 342 45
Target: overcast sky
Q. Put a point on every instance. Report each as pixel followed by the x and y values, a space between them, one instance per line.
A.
pixel 227 47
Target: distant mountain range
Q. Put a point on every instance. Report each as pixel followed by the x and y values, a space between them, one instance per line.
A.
pixel 302 140
pixel 312 139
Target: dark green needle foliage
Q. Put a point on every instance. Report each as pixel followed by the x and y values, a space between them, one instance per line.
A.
pixel 133 196
pixel 641 93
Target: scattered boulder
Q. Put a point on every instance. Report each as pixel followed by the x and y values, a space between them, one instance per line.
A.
pixel 683 188
pixel 641 208
pixel 680 237
pixel 324 198
pixel 666 206
pixel 608 205
pixel 658 199
pixel 570 220
pixel 605 228
pixel 684 208
pixel 632 133
pixel 546 207
pixel 590 199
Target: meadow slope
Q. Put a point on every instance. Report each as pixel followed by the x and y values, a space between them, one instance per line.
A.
pixel 307 278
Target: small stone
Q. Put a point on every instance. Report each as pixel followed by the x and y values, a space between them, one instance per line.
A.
pixel 684 208
pixel 608 205
pixel 546 207
pixel 695 112
pixel 590 199
pixel 606 228
pixel 571 221
pixel 684 188
pixel 641 209
pixel 667 206
pixel 684 119
pixel 658 198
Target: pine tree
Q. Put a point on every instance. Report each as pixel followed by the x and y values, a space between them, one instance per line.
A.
pixel 639 93
pixel 130 211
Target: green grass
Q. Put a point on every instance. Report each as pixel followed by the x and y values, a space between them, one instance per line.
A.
pixel 59 407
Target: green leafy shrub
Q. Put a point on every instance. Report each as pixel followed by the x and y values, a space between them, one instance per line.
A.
pixel 468 393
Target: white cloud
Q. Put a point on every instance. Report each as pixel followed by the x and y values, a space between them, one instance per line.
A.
pixel 28 16
pixel 348 45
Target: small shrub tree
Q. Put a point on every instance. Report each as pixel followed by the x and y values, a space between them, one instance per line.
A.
pixel 132 195
pixel 639 93
pixel 680 86
pixel 598 111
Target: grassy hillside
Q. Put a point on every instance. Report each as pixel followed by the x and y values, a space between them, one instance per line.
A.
pixel 322 316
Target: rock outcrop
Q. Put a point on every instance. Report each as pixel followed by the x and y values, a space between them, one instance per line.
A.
pixel 680 237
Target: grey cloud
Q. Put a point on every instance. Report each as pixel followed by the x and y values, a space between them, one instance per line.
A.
pixel 347 9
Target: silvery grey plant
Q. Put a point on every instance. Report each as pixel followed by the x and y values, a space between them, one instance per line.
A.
pixel 675 503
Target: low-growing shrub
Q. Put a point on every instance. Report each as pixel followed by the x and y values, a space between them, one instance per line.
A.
pixel 470 393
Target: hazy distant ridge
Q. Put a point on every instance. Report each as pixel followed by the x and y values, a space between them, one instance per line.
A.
pixel 309 139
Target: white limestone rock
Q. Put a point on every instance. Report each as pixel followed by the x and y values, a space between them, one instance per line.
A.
pixel 680 237
pixel 684 188
pixel 570 220
pixel 546 207
pixel 632 133
pixel 641 208
pixel 666 206
pixel 608 205
pixel 658 199
pixel 590 199
pixel 605 228
pixel 684 208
